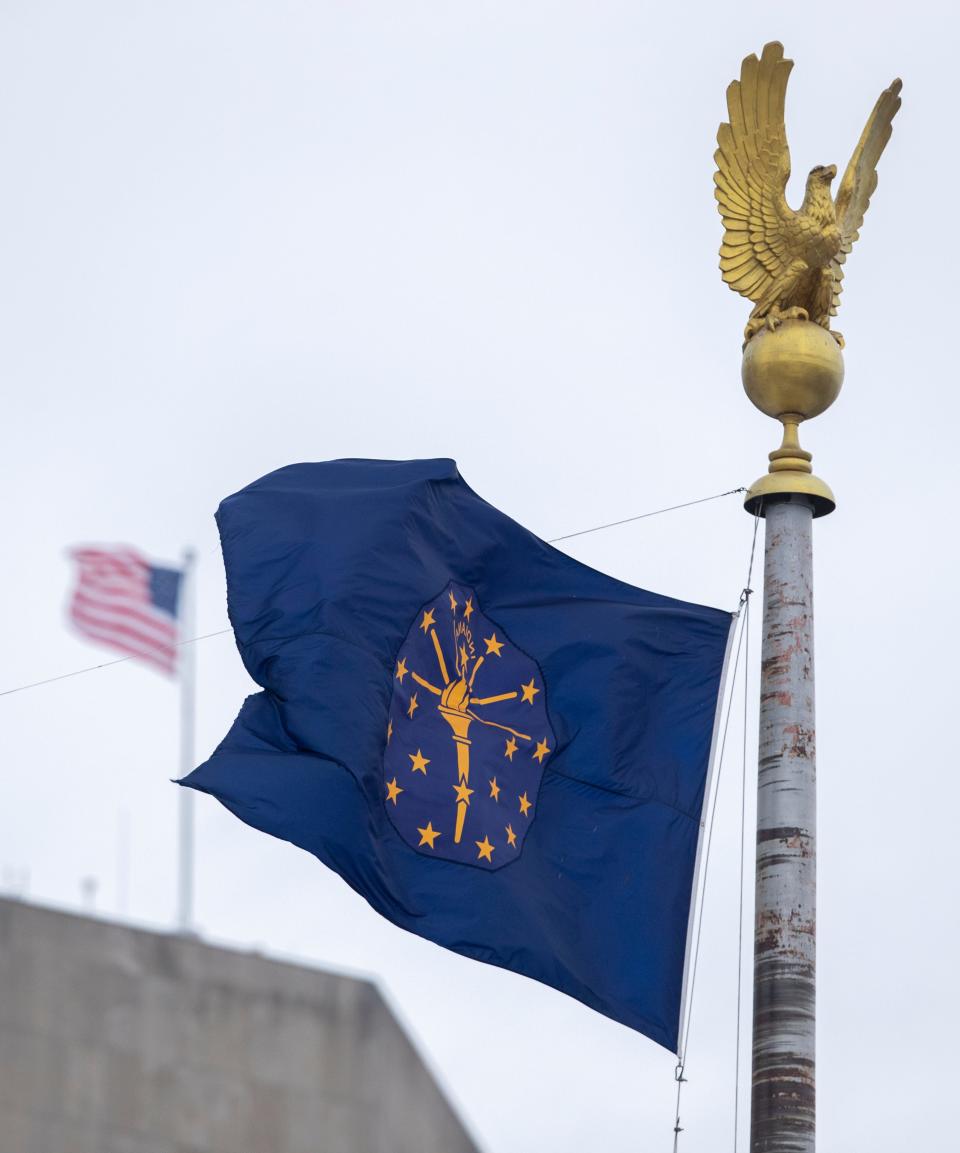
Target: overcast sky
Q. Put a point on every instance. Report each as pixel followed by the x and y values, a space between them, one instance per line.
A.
pixel 242 234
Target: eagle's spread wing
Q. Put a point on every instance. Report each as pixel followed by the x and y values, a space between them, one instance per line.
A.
pixel 753 166
pixel 860 180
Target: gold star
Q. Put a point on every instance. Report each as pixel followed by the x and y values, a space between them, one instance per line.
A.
pixel 524 804
pixel 486 850
pixel 510 749
pixel 493 645
pixel 428 835
pixel 393 790
pixel 453 601
pixel 427 620
pixel 463 793
pixel 401 670
pixel 412 707
pixel 420 763
pixel 529 692
pixel 541 751
pixel 494 789
pixel 511 837
pixel 389 730
pixel 463 658
pixel 468 608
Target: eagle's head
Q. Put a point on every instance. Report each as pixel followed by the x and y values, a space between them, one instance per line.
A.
pixel 817 200
pixel 822 174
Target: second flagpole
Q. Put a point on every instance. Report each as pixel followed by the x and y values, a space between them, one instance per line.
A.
pixel 187 675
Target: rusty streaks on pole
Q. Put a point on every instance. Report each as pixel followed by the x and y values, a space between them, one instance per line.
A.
pixel 783 1112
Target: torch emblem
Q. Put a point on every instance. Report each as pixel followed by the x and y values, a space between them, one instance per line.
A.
pixel 468 735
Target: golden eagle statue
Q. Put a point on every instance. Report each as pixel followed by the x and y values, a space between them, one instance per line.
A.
pixel 790 264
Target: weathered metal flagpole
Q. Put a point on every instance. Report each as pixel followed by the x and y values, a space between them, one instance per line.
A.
pixel 187 673
pixel 790 264
pixel 797 370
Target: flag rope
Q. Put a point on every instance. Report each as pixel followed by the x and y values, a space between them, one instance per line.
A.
pixel 743 838
pixel 681 1067
pixel 223 632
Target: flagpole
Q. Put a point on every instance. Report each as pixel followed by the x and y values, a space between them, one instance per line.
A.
pixel 792 373
pixel 187 672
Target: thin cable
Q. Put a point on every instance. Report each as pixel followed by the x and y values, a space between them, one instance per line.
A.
pixel 677 1128
pixel 743 835
pixel 104 665
pixel 685 1029
pixel 644 515
pixel 205 637
pixel 709 842
pixel 685 1026
pixel 221 632
pixel 753 544
pixel 743 851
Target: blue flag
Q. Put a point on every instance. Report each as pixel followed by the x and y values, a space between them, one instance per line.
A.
pixel 501 749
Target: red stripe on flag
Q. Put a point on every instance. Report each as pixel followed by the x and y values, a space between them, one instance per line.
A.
pixel 125 610
pixel 127 632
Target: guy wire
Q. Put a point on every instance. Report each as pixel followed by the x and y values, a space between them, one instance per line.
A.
pixel 105 664
pixel 644 515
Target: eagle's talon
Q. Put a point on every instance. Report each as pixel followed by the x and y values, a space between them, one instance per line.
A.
pixel 754 325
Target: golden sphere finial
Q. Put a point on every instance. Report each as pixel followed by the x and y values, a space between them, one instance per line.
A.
pixel 792 373
pixel 797 368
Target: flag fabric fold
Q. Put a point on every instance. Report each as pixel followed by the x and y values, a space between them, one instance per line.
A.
pixel 500 748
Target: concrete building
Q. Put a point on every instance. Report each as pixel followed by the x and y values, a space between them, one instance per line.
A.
pixel 115 1040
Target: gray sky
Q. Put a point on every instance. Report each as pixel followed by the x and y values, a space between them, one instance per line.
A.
pixel 238 235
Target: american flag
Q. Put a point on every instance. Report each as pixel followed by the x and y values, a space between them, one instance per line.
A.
pixel 124 601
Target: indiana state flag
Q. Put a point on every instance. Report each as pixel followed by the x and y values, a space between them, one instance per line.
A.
pixel 501 749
